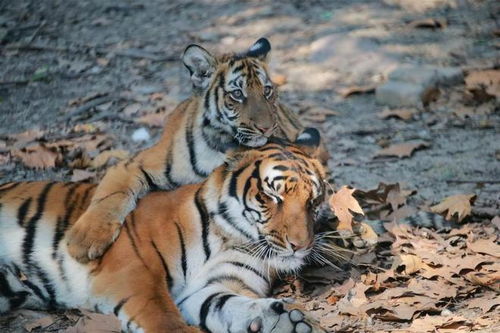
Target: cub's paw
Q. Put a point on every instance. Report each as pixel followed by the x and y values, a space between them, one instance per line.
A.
pixel 91 236
pixel 279 316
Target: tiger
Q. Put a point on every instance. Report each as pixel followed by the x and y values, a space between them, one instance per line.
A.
pixel 234 104
pixel 201 257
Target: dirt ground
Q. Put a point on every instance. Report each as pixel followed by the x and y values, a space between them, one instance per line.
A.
pixel 54 52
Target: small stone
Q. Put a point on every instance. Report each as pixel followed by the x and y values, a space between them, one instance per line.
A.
pixel 448 76
pixel 425 76
pixel 141 134
pixel 397 94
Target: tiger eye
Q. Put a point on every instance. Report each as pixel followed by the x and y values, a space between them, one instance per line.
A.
pixel 268 90
pixel 237 94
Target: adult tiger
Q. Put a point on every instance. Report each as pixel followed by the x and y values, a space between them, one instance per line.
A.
pixel 208 251
pixel 235 103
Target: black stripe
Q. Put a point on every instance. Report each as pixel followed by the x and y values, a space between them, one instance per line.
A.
pixel 249 268
pixel 234 278
pixel 168 277
pixel 233 184
pixel 151 184
pixel 62 223
pixel 168 169
pixel 222 300
pixel 204 310
pixel 119 306
pixel 23 211
pixel 192 152
pixel 83 201
pixel 35 289
pixel 205 221
pixel 183 250
pixel 223 213
pixel 29 237
pixel 134 245
pixel 5 289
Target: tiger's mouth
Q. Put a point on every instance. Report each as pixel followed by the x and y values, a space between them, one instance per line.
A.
pixel 254 137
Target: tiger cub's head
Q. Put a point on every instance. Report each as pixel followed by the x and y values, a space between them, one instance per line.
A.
pixel 278 188
pixel 237 94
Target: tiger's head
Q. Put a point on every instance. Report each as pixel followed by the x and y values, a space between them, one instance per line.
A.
pixel 275 191
pixel 237 94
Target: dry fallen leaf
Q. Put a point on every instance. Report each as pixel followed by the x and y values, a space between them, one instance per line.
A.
pixel 153 119
pixel 103 158
pixel 95 323
pixel 439 324
pixel 279 79
pixel 343 205
pixel 82 175
pixel 39 323
pixel 432 23
pixel 486 303
pixel 317 114
pixel 484 82
pixel 487 246
pixel 37 156
pixel 354 90
pixel 405 114
pixel 402 149
pixel 459 205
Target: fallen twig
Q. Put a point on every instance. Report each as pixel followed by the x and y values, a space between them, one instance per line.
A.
pixel 466 181
pixel 35 33
pixel 91 104
pixel 15 82
pixel 141 54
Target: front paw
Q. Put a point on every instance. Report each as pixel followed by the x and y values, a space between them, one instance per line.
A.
pixel 277 316
pixel 91 236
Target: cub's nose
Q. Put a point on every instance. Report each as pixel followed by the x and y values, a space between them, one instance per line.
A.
pixel 300 244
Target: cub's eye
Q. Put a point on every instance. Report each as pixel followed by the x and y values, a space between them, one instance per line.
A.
pixel 237 94
pixel 268 91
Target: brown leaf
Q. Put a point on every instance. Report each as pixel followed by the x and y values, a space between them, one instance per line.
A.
pixel 37 156
pixel 487 246
pixel 81 175
pixel 432 23
pixel 279 79
pixel 459 205
pixel 405 114
pixel 486 303
pixel 437 323
pixel 317 114
pixel 153 119
pixel 343 205
pixel 484 82
pixel 39 323
pixel 132 109
pixel 4 159
pixel 103 158
pixel 95 323
pixel 402 149
pixel 411 263
pixel 356 90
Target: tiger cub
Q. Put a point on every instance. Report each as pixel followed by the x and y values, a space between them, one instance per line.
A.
pixel 235 104
pixel 205 254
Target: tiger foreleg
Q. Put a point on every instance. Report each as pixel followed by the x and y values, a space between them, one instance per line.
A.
pixel 115 197
pixel 218 310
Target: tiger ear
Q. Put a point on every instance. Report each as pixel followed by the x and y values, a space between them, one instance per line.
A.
pixel 201 65
pixel 260 49
pixel 308 141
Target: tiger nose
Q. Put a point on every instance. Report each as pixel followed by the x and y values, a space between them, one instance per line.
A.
pixel 299 244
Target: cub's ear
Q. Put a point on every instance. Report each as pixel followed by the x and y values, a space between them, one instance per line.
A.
pixel 201 65
pixel 308 141
pixel 260 50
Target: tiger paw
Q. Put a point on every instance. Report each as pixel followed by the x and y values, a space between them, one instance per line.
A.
pixel 91 236
pixel 278 316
